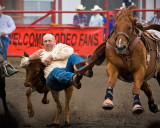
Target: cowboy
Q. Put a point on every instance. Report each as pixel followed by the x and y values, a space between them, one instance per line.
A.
pixel 7 26
pixel 59 60
pixel 154 19
pixel 80 19
pixel 96 19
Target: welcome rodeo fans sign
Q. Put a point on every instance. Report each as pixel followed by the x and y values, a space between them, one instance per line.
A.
pixel 83 41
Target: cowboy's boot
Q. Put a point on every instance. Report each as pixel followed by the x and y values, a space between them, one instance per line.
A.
pixel 9 69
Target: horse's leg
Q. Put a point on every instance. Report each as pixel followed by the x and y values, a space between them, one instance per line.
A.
pixel 112 78
pixel 68 96
pixel 138 80
pixel 45 99
pixel 148 91
pixel 29 104
pixel 3 94
pixel 56 96
pixel 158 78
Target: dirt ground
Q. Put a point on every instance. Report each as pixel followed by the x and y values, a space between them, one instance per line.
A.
pixel 86 110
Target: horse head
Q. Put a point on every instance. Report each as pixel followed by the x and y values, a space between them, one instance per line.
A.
pixel 123 30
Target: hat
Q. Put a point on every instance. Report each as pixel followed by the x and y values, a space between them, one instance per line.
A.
pixel 96 7
pixel 80 7
pixel 1 7
pixel 110 13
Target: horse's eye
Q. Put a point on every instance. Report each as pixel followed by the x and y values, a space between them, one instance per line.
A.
pixel 130 29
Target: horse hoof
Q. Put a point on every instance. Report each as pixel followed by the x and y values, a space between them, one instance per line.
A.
pixel 107 104
pixel 31 114
pixel 53 125
pixel 153 107
pixel 137 110
pixel 66 124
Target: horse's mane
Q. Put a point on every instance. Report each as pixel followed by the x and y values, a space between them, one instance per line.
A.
pixel 125 12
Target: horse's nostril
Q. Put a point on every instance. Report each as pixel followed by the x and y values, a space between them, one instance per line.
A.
pixel 124 46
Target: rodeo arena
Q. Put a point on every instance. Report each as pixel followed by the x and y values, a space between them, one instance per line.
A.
pixel 80 63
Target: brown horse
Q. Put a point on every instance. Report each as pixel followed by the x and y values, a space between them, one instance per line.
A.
pixel 126 57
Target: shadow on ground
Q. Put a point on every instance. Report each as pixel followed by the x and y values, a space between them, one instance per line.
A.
pixel 8 120
pixel 155 124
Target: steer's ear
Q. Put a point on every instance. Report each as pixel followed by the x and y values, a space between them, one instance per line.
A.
pixel 26 54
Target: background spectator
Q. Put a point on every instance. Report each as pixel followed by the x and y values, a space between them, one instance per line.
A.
pixel 154 19
pixel 80 19
pixel 127 3
pixel 111 21
pixel 96 18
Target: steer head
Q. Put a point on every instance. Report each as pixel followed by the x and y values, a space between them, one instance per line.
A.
pixel 35 75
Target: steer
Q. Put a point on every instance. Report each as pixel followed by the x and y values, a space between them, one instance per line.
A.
pixel 35 81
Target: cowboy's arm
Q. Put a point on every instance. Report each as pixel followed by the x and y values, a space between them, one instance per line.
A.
pixel 11 26
pixel 63 53
pixel 35 55
pixel 75 20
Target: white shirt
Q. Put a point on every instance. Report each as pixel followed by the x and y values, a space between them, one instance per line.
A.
pixel 7 24
pixel 96 20
pixel 60 55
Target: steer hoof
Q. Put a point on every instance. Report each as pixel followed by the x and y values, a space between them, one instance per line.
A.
pixel 45 101
pixel 107 104
pixel 137 110
pixel 30 113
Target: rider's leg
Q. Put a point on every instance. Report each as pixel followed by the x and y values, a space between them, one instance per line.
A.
pixel 7 68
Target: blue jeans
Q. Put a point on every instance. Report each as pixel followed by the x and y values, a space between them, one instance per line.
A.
pixel 59 78
pixel 6 43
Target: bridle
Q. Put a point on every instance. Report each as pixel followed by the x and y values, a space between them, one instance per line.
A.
pixel 124 34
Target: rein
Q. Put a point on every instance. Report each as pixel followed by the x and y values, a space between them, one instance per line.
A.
pixel 124 34
pixel 128 55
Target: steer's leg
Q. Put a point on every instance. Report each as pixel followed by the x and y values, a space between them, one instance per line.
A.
pixel 45 99
pixel 68 96
pixel 148 91
pixel 112 78
pixel 56 96
pixel 29 104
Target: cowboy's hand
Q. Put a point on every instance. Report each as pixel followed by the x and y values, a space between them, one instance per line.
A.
pixel 35 55
pixel 48 60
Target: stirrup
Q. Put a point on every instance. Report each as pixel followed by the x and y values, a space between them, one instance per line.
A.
pixel 5 65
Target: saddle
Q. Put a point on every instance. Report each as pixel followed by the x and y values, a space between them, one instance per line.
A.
pixel 152 45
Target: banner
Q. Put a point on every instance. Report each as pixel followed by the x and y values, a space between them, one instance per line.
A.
pixel 83 41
